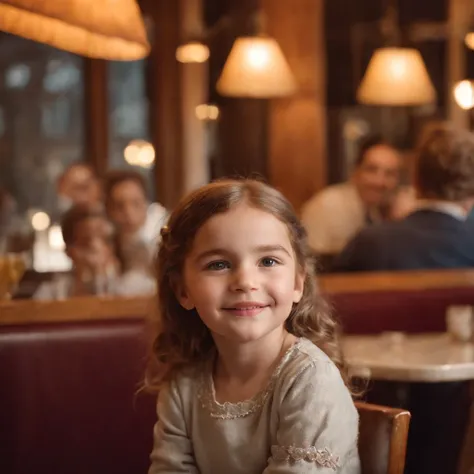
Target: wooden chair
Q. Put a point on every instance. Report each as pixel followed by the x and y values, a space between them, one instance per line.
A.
pixel 383 437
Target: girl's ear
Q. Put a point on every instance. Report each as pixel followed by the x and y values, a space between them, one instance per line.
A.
pixel 299 286
pixel 181 294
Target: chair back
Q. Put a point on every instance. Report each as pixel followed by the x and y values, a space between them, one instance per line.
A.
pixel 383 434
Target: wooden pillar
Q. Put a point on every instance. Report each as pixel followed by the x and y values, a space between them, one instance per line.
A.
pixel 96 117
pixel 164 89
pixel 194 88
pixel 297 128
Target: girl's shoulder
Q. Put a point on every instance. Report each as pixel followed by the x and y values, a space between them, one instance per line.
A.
pixel 305 353
pixel 306 362
pixel 186 380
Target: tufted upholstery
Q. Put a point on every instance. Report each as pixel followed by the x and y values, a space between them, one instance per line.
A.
pixel 68 401
pixel 418 311
pixel 382 439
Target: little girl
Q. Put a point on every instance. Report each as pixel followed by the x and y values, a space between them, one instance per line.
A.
pixel 246 358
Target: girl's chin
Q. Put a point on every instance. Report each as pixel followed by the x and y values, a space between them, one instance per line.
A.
pixel 242 336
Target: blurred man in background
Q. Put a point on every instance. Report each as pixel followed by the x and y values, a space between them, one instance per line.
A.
pixel 334 215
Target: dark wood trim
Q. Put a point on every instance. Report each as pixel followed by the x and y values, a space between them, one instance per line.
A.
pixel 96 117
pixel 297 124
pixel 19 312
pixel 164 93
pixel 415 280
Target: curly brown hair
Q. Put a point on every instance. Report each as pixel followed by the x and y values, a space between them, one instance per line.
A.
pixel 182 338
pixel 445 163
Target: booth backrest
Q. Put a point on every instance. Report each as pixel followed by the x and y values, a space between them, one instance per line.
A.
pixel 69 401
pixel 412 302
pixel 407 311
pixel 70 371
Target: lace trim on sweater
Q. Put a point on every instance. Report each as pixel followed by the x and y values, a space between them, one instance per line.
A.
pixel 230 411
pixel 292 454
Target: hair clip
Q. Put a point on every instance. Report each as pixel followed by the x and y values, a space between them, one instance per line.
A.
pixel 165 230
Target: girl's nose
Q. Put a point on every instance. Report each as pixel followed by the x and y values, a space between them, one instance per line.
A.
pixel 245 279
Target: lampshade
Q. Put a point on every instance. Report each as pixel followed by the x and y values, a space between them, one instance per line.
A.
pixel 108 29
pixel 396 76
pixel 256 68
pixel 464 94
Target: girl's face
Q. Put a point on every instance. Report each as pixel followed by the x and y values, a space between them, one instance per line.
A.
pixel 241 275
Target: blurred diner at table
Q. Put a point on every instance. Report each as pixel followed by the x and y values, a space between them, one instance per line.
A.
pixel 137 223
pixel 91 245
pixel 437 233
pixel 78 185
pixel 337 213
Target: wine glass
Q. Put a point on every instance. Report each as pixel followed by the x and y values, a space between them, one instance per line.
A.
pixel 12 268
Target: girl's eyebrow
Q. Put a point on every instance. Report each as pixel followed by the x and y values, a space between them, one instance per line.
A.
pixel 272 248
pixel 211 252
pixel 258 249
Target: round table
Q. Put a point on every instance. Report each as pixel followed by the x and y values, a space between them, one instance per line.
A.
pixel 410 358
pixel 428 362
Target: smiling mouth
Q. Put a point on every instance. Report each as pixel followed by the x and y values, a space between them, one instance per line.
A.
pixel 246 311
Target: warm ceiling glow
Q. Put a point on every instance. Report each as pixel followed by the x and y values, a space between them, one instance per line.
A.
pixel 40 221
pixel 207 112
pixel 192 52
pixel 109 29
pixel 464 94
pixel 396 76
pixel 140 153
pixel 256 68
pixel 469 40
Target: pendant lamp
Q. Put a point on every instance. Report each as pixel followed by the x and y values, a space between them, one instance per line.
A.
pixel 396 77
pixel 107 29
pixel 257 68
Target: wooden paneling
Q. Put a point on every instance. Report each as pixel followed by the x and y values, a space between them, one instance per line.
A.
pixel 242 138
pixel 194 85
pixel 297 129
pixel 164 92
pixel 395 281
pixel 74 310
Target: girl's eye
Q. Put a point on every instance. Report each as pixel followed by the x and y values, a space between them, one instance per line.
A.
pixel 268 262
pixel 216 266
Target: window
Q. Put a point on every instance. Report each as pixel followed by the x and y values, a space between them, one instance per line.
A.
pixel 129 137
pixel 41 120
